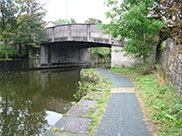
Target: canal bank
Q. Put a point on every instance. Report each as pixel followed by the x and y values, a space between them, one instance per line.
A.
pixel 30 64
pixel 83 118
pixel 123 115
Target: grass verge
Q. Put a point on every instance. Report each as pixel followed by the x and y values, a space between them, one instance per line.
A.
pixel 163 106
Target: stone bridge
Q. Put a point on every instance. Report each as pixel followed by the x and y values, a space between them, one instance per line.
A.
pixel 85 33
pixel 71 43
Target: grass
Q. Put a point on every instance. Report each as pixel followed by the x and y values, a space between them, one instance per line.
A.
pixel 163 105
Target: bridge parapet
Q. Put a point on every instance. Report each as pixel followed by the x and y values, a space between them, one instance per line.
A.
pixel 79 32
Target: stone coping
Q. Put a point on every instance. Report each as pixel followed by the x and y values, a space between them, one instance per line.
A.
pixel 74 123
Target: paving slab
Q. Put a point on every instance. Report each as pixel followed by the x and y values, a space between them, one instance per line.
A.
pixel 122 90
pixel 79 110
pixel 62 134
pixel 73 124
pixel 87 103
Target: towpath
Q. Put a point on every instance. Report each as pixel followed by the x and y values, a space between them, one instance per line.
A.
pixel 123 116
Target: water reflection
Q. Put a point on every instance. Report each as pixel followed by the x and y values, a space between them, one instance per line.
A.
pixel 29 100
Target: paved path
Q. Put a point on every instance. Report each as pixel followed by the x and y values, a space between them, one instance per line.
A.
pixel 123 116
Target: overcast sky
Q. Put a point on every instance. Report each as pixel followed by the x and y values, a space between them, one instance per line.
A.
pixel 80 10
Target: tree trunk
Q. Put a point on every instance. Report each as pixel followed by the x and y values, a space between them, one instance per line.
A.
pixel 158 49
pixel 144 58
pixel 143 49
pixel 20 49
pixel 6 56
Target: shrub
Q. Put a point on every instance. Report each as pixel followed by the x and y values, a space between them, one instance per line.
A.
pixel 6 51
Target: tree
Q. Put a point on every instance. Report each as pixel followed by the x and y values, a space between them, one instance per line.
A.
pixel 170 11
pixel 6 51
pixel 73 21
pixel 101 52
pixel 131 20
pixel 66 21
pixel 9 12
pixel 63 21
pixel 21 22
pixel 93 21
pixel 30 25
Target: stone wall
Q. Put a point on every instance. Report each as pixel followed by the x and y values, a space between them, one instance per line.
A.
pixel 33 62
pixel 18 64
pixel 171 62
pixel 98 62
pixel 34 58
pixel 118 58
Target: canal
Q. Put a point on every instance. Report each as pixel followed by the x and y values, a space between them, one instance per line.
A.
pixel 32 101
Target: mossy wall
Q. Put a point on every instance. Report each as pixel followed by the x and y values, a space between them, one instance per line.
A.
pixel 171 62
pixel 14 64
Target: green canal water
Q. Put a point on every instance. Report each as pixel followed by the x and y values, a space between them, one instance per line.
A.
pixel 32 101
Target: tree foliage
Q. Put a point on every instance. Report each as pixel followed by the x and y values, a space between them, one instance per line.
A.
pixel 6 51
pixel 101 52
pixel 131 20
pixel 21 22
pixel 93 21
pixel 170 11
pixel 66 21
pixel 8 12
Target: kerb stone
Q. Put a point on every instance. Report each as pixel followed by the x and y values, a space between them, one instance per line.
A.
pixel 73 124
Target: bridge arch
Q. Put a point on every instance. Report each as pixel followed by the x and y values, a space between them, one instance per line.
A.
pixel 71 43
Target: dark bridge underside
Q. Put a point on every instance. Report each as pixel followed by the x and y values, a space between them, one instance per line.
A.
pixel 67 52
pixel 77 44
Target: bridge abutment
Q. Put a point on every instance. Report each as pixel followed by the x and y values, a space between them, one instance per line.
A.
pixel 44 54
pixel 118 58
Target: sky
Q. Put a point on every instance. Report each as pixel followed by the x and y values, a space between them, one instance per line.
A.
pixel 80 10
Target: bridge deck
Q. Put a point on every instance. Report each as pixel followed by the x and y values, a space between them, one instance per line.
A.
pixel 80 33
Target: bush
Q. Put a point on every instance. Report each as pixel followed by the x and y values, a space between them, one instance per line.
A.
pixel 6 51
pixel 82 89
pixel 101 52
